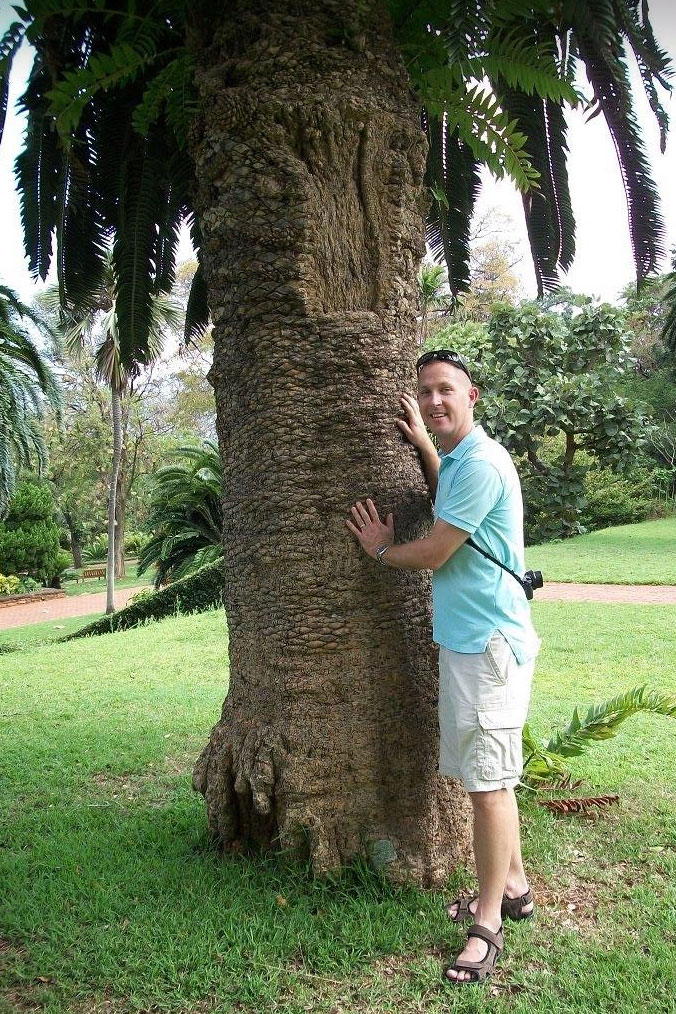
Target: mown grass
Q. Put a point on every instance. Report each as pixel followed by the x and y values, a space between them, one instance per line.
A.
pixel 644 553
pixel 92 585
pixel 115 900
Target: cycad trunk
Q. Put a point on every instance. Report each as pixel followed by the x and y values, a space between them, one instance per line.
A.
pixel 116 402
pixel 310 164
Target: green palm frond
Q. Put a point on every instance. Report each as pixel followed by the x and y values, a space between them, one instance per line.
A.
pixel 9 44
pixel 452 179
pixel 185 516
pixel 27 384
pixel 601 720
pixel 598 41
pixel 546 763
pixel 37 171
pixel 548 209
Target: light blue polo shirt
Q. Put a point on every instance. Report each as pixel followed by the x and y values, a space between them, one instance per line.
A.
pixel 479 492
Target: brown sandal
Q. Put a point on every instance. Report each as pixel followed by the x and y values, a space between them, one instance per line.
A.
pixel 512 908
pixel 480 970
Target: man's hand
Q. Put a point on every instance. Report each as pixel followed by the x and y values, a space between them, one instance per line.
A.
pixel 369 529
pixel 413 426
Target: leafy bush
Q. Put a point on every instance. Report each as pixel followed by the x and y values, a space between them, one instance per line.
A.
pixel 97 549
pixel 71 574
pixel 134 543
pixel 9 585
pixel 28 585
pixel 29 536
pixel 612 499
pixel 193 594
pixel 550 384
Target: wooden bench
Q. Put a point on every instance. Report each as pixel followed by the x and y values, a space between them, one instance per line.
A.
pixel 94 572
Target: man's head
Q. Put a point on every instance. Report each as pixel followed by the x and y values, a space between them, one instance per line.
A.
pixel 446 396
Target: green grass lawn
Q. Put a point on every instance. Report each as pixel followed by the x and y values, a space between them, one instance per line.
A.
pixel 629 554
pixel 114 900
pixel 98 584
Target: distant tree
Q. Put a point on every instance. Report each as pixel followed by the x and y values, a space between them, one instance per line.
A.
pixel 654 377
pixel 549 380
pixel 29 535
pixel 94 325
pixel 27 385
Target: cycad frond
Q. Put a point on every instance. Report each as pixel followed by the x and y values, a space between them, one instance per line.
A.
pixel 548 209
pixel 595 27
pixel 185 516
pixel 197 314
pixel 452 179
pixel 9 44
pixel 602 720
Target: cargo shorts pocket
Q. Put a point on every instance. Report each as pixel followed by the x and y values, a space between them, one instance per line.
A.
pixel 499 751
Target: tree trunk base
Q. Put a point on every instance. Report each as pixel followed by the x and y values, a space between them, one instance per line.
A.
pixel 324 782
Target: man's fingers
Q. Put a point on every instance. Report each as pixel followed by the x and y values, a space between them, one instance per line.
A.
pixel 373 513
pixel 353 528
pixel 360 513
pixel 390 523
pixel 404 427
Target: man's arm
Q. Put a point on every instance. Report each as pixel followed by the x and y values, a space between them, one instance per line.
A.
pixel 422 554
pixel 416 433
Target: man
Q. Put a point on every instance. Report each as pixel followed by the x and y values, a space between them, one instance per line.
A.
pixel 487 645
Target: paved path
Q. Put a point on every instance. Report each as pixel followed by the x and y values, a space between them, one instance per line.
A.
pixel 58 609
pixel 641 594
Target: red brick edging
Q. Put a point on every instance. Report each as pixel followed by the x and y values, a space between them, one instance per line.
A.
pixel 22 600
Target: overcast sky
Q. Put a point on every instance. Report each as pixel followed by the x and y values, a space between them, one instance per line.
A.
pixel 603 265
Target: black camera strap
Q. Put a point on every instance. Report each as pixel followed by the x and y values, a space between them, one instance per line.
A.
pixel 503 566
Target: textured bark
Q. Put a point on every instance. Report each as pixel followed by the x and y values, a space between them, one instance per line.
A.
pixel 121 514
pixel 116 408
pixel 309 164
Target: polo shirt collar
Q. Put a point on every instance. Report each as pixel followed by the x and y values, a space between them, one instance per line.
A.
pixel 475 436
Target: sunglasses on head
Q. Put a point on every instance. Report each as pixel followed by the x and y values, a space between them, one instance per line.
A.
pixel 443 356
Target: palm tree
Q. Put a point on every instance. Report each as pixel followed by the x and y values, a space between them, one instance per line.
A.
pixel 320 133
pixel 432 287
pixel 186 519
pixel 97 323
pixel 27 383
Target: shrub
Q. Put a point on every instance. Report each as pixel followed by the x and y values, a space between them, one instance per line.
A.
pixel 28 585
pixel 29 536
pixel 97 548
pixel 193 594
pixel 9 585
pixel 134 543
pixel 611 499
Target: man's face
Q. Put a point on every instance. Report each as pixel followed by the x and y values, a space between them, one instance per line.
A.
pixel 446 397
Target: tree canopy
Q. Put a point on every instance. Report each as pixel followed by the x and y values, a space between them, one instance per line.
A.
pixel 112 94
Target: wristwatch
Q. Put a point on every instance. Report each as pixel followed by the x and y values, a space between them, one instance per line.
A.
pixel 380 554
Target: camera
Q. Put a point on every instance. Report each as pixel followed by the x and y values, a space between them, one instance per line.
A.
pixel 531 580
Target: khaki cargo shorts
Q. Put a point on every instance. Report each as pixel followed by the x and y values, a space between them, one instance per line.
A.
pixel 483 703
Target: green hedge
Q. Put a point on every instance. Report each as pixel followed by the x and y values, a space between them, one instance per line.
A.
pixel 193 594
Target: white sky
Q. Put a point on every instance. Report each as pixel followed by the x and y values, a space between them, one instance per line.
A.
pixel 603 264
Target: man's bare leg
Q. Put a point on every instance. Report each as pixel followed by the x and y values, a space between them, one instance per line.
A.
pixel 516 884
pixel 494 847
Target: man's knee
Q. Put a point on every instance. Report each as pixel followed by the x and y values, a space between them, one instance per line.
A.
pixel 486 802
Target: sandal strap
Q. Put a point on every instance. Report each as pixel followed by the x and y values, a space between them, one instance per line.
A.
pixel 464 911
pixel 483 933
